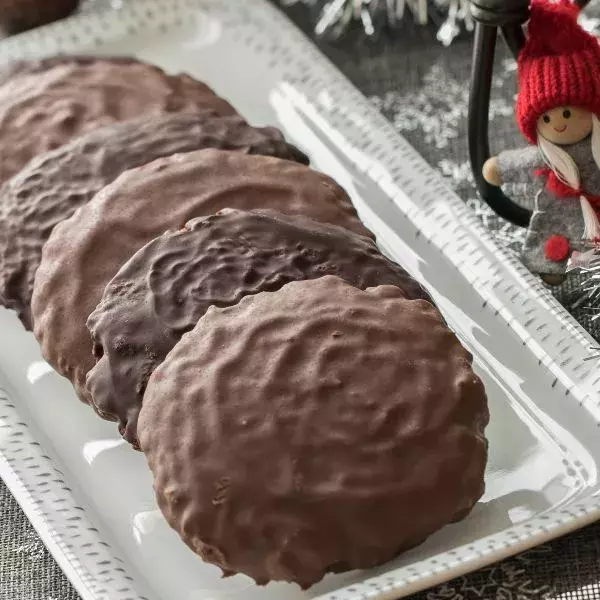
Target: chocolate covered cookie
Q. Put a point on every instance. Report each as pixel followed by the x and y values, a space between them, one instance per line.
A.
pixel 86 251
pixel 162 291
pixel 313 429
pixel 20 15
pixel 45 104
pixel 54 185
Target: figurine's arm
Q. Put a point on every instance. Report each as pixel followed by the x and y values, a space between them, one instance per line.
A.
pixel 513 166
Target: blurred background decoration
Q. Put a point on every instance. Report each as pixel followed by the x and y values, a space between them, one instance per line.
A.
pixel 335 18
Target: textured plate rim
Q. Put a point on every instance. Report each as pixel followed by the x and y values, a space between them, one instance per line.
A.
pixel 45 496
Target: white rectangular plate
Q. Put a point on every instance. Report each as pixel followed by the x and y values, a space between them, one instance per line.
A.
pixel 90 496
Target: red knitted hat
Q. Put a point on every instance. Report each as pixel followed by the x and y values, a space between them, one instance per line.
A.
pixel 559 65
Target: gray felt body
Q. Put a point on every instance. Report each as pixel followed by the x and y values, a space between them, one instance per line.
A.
pixel 552 215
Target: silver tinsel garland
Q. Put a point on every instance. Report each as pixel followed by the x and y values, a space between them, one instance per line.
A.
pixel 587 265
pixel 334 17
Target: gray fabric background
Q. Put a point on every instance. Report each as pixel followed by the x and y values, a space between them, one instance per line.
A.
pixel 423 89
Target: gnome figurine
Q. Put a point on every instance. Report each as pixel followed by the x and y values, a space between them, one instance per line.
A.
pixel 557 112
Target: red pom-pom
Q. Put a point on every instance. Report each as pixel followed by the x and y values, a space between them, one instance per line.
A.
pixel 557 248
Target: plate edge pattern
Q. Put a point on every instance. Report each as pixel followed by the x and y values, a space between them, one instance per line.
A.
pixel 44 494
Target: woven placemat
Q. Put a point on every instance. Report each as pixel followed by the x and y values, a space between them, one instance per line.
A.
pixel 423 89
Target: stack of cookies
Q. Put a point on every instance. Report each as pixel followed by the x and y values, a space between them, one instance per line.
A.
pixel 300 400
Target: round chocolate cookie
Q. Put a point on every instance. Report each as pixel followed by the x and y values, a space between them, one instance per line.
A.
pixel 162 291
pixel 45 104
pixel 54 185
pixel 317 428
pixel 85 252
pixel 19 15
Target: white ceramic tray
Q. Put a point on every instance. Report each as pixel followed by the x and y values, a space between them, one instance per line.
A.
pixel 89 496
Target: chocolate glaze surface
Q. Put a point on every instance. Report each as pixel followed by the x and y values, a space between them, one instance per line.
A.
pixel 317 428
pixel 19 15
pixel 85 252
pixel 45 104
pixel 54 185
pixel 162 291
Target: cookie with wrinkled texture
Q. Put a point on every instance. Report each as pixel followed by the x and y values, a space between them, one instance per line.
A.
pixel 162 291
pixel 45 104
pixel 86 251
pixel 313 429
pixel 53 186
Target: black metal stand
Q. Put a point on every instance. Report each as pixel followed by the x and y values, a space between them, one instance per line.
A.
pixel 479 147
pixel 491 15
